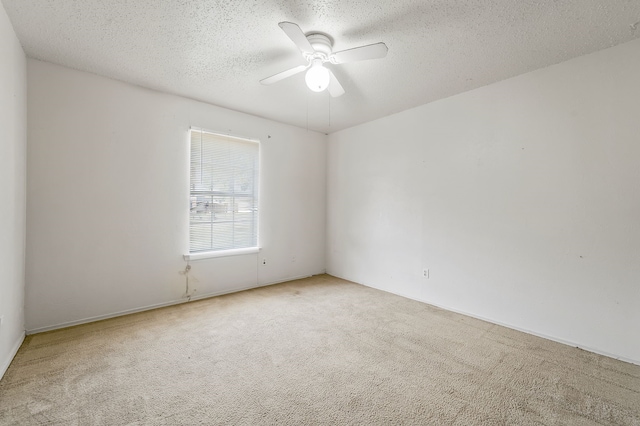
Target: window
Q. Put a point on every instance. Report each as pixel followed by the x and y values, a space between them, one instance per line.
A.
pixel 224 193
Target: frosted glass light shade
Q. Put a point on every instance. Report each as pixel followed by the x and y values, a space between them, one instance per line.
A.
pixel 317 77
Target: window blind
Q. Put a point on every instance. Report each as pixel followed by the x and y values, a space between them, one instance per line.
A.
pixel 224 192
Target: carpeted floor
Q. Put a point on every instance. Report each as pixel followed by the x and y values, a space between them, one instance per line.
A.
pixel 314 351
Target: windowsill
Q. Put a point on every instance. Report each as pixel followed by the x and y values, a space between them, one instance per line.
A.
pixel 221 253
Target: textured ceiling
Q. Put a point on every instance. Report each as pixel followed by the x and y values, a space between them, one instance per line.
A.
pixel 217 50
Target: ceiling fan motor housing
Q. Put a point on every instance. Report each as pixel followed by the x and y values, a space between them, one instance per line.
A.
pixel 322 46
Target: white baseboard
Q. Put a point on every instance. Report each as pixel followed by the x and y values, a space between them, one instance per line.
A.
pixel 103 317
pixel 237 290
pixel 155 306
pixel 535 333
pixel 14 350
pixel 513 327
pixel 299 277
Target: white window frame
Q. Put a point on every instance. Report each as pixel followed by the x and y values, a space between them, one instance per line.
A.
pixel 198 255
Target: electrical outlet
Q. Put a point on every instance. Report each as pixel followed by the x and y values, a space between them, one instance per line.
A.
pixel 264 261
pixel 425 274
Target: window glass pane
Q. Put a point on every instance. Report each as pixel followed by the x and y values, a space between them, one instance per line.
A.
pixel 224 192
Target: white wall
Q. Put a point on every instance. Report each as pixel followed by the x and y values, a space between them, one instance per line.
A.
pixel 522 198
pixel 107 210
pixel 13 140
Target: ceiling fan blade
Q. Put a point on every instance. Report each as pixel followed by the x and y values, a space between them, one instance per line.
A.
pixel 371 51
pixel 284 74
pixel 335 88
pixel 297 36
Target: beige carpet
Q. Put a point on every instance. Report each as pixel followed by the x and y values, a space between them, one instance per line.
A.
pixel 313 351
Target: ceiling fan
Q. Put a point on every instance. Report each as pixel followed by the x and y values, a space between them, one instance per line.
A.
pixel 316 49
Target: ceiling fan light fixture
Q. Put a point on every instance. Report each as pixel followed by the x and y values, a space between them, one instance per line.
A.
pixel 317 77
